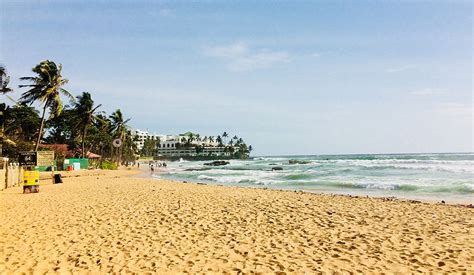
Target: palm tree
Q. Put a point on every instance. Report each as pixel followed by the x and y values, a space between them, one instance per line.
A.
pixel 191 138
pixel 250 148
pixel 243 150
pixel 46 88
pixel 4 80
pixel 4 89
pixel 85 112
pixel 119 128
pixel 219 140
pixel 104 128
pixel 211 139
pixel 225 135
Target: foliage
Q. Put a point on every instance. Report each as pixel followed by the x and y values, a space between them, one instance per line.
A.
pixel 61 129
pixel 46 88
pixel 84 112
pixel 20 125
pixel 4 81
pixel 149 147
pixel 235 148
pixel 108 165
pixel 75 128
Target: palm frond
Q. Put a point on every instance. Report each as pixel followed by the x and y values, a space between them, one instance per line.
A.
pixel 28 78
pixel 68 95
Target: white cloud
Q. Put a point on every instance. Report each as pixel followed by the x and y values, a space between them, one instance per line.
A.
pixel 429 92
pixel 401 69
pixel 455 109
pixel 315 55
pixel 239 57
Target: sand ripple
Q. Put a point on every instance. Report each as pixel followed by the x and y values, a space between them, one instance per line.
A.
pixel 141 225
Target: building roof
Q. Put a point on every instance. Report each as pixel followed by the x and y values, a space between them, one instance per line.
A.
pixel 188 134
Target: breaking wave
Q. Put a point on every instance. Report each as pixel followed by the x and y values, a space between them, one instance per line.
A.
pixel 419 174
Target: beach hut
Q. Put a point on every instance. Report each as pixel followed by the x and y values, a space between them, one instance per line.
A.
pixel 93 159
pixel 75 164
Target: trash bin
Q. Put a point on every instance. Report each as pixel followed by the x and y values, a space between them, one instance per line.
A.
pixel 57 179
pixel 30 181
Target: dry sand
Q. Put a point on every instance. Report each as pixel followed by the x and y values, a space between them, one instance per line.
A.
pixel 113 223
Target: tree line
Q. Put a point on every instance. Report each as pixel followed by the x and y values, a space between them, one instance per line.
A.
pixel 235 146
pixel 62 119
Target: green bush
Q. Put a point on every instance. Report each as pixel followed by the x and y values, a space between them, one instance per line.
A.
pixel 107 165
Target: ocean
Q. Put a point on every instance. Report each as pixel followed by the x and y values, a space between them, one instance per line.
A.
pixel 429 177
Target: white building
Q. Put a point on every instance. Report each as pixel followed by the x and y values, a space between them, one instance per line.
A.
pixel 142 136
pixel 169 144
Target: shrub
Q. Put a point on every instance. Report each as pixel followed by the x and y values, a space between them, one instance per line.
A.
pixel 108 165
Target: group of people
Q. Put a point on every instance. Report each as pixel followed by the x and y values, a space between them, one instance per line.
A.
pixel 155 164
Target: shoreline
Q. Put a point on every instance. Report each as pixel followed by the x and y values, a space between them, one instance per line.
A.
pixel 431 178
pixel 121 222
pixel 414 198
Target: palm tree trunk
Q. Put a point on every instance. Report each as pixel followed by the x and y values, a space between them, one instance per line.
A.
pixel 113 155
pixel 41 127
pixel 84 140
pixel 120 149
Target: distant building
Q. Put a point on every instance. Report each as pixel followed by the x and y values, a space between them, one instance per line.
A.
pixel 141 136
pixel 180 145
pixel 192 151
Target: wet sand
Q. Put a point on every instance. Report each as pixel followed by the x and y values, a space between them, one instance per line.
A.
pixel 117 223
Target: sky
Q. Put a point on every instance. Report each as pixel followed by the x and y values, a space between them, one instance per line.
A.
pixel 289 77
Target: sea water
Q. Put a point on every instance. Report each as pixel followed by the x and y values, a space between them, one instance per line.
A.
pixel 433 177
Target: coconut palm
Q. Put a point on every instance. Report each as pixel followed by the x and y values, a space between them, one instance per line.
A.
pixel 119 128
pixel 4 80
pixel 46 88
pixel 250 148
pixel 243 150
pixel 85 112
pixel 119 124
pixel 102 137
pixel 224 136
pixel 191 138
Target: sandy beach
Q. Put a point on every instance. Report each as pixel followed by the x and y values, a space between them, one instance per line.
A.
pixel 118 222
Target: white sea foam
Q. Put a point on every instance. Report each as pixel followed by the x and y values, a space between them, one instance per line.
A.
pixel 440 173
pixel 431 165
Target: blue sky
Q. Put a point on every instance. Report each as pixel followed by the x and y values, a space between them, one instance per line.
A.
pixel 290 77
